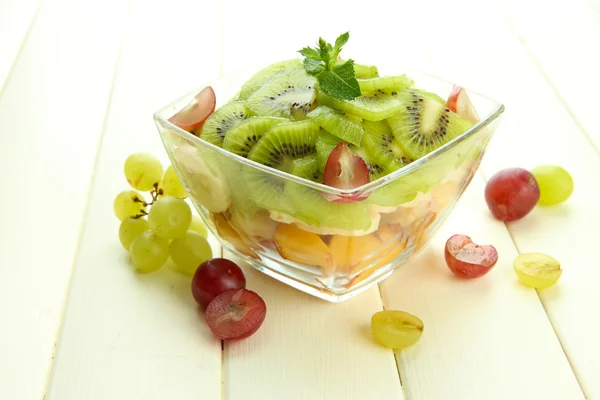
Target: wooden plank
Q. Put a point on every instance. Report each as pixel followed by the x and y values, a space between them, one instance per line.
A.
pixel 16 16
pixel 51 116
pixel 310 349
pixel 128 336
pixel 487 338
pixel 538 129
pixel 568 56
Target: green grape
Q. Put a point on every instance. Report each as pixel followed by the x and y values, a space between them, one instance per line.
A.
pixel 142 171
pixel 555 183
pixel 149 252
pixel 171 185
pixel 170 217
pixel 125 205
pixel 198 226
pixel 537 270
pixel 130 229
pixel 189 251
pixel 396 329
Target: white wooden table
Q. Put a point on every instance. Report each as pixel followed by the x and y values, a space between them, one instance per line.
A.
pixel 79 81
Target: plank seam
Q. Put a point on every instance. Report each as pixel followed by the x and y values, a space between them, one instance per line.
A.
pixel 571 365
pixel 393 354
pixel 88 196
pixel 21 47
pixel 546 77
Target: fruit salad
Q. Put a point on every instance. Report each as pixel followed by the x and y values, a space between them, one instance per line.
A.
pixel 323 171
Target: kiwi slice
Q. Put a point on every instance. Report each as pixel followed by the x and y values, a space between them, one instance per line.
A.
pixel 241 138
pixel 376 169
pixel 338 124
pixel 385 85
pixel 222 120
pixel 289 95
pixel 266 74
pixel 424 124
pixel 308 168
pixel 382 147
pixel 326 142
pixel 282 144
pixel 362 71
pixel 375 107
pixel 311 207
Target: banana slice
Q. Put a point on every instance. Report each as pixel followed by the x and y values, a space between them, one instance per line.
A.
pixel 208 186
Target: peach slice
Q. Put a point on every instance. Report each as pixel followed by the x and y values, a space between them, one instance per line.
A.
pixel 391 251
pixel 297 245
pixel 226 231
pixel 349 252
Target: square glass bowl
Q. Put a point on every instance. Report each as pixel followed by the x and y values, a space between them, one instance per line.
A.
pixel 283 225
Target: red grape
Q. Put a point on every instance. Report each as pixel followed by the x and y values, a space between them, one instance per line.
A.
pixel 467 259
pixel 236 314
pixel 193 115
pixel 345 170
pixel 512 193
pixel 215 276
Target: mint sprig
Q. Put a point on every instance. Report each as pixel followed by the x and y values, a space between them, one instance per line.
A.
pixel 335 79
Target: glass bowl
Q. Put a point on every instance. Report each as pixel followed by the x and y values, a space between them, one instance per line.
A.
pixel 282 224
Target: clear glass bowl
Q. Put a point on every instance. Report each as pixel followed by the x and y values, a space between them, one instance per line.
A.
pixel 332 251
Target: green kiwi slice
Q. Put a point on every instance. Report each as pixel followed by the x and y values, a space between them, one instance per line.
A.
pixel 375 107
pixel 289 95
pixel 278 148
pixel 241 138
pixel 376 169
pixel 340 125
pixel 382 147
pixel 266 74
pixel 307 168
pixel 384 85
pixel 424 124
pixel 311 208
pixel 326 142
pixel 222 120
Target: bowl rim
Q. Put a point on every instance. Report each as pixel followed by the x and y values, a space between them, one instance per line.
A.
pixel 498 109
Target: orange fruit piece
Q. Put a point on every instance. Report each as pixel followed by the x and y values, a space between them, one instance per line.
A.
pixel 349 252
pixel 297 245
pixel 230 235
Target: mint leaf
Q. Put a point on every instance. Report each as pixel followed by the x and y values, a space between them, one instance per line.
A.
pixel 335 79
pixel 339 43
pixel 311 53
pixel 325 51
pixel 341 82
pixel 314 67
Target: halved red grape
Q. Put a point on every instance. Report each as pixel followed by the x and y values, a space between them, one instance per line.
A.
pixel 195 113
pixel 460 103
pixel 345 170
pixel 511 193
pixel 235 314
pixel 215 276
pixel 467 259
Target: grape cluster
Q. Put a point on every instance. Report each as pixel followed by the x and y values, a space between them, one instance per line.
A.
pixel 163 227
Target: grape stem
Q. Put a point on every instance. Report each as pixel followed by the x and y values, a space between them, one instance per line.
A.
pixel 155 194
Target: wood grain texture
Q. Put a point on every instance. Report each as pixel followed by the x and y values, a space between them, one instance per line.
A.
pixel 537 129
pixel 310 349
pixel 16 16
pixel 126 335
pixel 486 338
pixel 562 55
pixel 51 114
